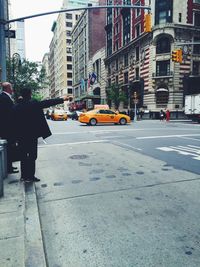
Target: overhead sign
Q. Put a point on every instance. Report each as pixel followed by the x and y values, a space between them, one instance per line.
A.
pixel 10 34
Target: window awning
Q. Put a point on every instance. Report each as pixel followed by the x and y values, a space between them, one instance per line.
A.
pixel 162 90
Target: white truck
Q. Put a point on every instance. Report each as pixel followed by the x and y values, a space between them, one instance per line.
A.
pixel 192 107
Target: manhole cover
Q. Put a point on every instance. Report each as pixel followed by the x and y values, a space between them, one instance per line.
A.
pixel 79 157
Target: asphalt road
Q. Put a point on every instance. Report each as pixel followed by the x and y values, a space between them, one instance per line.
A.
pixel 114 195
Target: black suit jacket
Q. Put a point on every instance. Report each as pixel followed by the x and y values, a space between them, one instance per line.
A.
pixel 29 119
pixel 6 105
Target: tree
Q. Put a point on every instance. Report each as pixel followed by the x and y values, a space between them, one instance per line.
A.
pixel 115 95
pixel 26 74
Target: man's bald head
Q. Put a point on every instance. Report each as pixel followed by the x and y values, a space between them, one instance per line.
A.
pixel 7 87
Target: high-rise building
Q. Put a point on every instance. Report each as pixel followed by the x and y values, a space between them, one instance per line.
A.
pixel 61 49
pixel 17 44
pixel 45 91
pixel 88 36
pixel 141 61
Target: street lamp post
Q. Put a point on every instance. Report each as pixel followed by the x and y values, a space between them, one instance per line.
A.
pixel 2 42
pixel 135 106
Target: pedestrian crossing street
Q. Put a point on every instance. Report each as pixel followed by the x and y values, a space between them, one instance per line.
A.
pixel 189 150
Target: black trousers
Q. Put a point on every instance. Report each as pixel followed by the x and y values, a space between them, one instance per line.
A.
pixel 28 149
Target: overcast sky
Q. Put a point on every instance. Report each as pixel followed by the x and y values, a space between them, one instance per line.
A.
pixel 37 30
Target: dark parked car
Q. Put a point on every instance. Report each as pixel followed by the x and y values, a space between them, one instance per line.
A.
pixel 75 114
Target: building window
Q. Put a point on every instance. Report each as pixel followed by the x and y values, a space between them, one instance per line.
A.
pixel 69 50
pixel 117 28
pixel 196 68
pixel 68 16
pixel 163 45
pixel 69 90
pixel 69 83
pixel 69 75
pixel 137 10
pixel 117 64
pixel 163 68
pixel 68 41
pixel 137 53
pixel 77 16
pixel 109 69
pixel 69 67
pixel 117 45
pixel 116 79
pixel 162 95
pixel 137 75
pixel 126 60
pixel 126 78
pixel 137 30
pixel 69 24
pixel 196 48
pixel 69 58
pixel 179 17
pixel 197 19
pixel 68 33
pixel 163 11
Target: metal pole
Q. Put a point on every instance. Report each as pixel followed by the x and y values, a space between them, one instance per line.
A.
pixel 79 8
pixel 2 42
pixel 135 118
pixel 3 144
pixel 1 171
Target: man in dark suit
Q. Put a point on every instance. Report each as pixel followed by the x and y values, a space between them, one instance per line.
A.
pixel 6 124
pixel 30 124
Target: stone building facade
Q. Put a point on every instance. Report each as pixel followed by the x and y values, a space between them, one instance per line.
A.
pixel 141 62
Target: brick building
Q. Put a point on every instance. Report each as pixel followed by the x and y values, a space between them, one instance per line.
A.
pixel 141 62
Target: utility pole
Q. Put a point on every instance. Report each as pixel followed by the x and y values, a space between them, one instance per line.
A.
pixel 2 42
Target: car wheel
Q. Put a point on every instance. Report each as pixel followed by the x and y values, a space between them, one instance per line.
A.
pixel 93 122
pixel 122 121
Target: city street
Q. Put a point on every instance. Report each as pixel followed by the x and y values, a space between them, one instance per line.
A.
pixel 114 195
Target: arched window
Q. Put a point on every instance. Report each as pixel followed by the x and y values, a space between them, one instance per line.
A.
pixel 162 96
pixel 163 45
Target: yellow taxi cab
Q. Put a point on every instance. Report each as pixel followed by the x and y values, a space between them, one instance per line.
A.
pixel 95 116
pixel 58 114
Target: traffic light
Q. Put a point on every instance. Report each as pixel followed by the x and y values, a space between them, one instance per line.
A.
pixel 147 22
pixel 135 95
pixel 180 55
pixel 175 55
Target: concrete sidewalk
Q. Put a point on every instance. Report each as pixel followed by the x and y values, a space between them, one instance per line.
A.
pixel 20 233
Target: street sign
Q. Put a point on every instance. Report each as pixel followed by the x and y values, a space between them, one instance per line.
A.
pixel 10 34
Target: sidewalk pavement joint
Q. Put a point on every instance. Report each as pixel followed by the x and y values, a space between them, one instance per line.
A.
pixel 21 243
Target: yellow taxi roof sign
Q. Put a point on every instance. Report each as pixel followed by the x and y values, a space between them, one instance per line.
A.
pixel 101 107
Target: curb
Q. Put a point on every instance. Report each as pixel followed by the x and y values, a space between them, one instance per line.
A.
pixel 33 240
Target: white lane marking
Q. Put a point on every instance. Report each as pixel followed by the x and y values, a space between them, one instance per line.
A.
pixel 73 143
pixel 116 142
pixel 113 136
pixel 194 146
pixel 194 139
pixel 99 131
pixel 44 141
pixel 166 136
pixel 195 153
pixel 121 130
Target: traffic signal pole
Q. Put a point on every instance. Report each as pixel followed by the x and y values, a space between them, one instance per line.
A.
pixel 2 42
